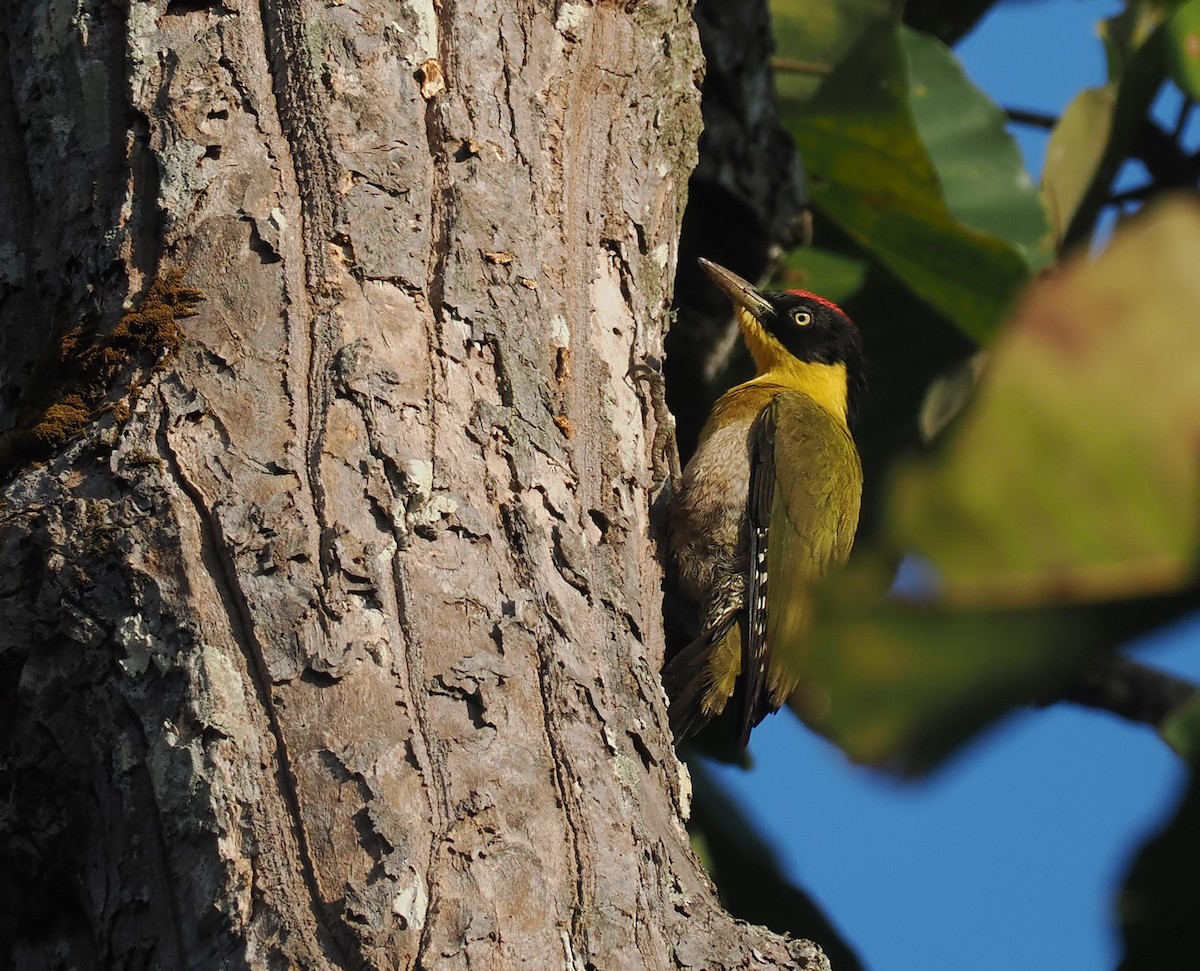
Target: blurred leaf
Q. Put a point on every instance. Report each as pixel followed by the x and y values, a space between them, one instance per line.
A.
pixel 948 395
pixel 979 166
pixel 1161 898
pixel 898 685
pixel 819 34
pixel 833 274
pixel 1096 133
pixel 1059 518
pixel 1183 48
pixel 1075 476
pixel 1127 34
pixel 871 174
pixel 901 684
pixel 1182 731
pixel 748 877
pixel 1077 150
pixel 947 20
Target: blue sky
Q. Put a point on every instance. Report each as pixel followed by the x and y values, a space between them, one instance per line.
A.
pixel 1014 852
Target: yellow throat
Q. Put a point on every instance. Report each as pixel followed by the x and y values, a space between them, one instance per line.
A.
pixel 826 384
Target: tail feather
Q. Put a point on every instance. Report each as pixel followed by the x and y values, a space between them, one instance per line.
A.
pixel 700 679
pixel 686 679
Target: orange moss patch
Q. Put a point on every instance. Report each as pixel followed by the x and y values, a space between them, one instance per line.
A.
pixel 153 325
pixel 88 367
pixel 61 420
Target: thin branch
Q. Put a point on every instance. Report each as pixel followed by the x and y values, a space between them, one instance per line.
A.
pixel 1131 690
pixel 800 67
pixel 1035 119
pixel 1181 120
pixel 1137 194
pixel 1166 161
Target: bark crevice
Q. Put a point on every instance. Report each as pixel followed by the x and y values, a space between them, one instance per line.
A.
pixel 369 562
pixel 223 570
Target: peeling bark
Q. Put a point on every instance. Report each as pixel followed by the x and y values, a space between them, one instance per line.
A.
pixel 335 642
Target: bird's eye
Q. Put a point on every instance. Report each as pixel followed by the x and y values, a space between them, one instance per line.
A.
pixel 801 317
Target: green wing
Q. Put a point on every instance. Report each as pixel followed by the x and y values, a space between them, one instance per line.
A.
pixel 805 490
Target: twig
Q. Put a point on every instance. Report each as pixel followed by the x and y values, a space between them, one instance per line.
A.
pixel 1181 120
pixel 1131 690
pixel 800 67
pixel 1137 194
pixel 1035 119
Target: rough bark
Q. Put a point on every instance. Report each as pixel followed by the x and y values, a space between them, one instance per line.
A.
pixel 332 640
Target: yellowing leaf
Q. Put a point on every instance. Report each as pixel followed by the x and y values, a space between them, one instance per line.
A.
pixel 1075 476
pixel 1075 154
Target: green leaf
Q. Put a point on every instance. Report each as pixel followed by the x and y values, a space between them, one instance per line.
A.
pixel 898 685
pixel 981 171
pixel 871 174
pixel 1181 731
pixel 1183 48
pixel 838 276
pixel 1078 148
pixel 901 684
pixel 812 36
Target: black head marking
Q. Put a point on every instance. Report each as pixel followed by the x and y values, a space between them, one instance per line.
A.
pixel 809 327
pixel 818 331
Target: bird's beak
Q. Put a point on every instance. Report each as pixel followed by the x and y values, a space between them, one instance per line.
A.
pixel 738 290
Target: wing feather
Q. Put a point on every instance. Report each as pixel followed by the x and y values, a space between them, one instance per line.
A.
pixel 755 654
pixel 805 492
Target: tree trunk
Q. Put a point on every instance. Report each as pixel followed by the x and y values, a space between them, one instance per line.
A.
pixel 331 619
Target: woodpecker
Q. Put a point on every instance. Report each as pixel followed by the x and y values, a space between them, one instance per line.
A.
pixel 766 504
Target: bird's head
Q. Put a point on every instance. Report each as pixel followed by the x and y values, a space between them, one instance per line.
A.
pixel 796 337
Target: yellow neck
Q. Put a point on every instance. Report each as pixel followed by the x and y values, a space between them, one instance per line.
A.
pixel 824 383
